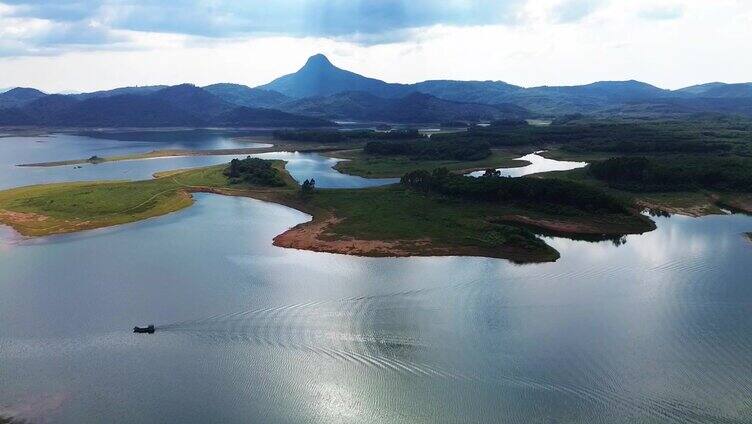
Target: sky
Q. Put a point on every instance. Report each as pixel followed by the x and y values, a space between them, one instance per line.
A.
pixel 86 45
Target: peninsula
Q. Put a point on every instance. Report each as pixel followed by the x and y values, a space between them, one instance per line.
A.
pixel 399 220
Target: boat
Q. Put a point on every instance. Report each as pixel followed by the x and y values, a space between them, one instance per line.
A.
pixel 148 330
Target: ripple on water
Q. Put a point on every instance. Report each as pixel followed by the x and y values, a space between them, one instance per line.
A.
pixel 656 330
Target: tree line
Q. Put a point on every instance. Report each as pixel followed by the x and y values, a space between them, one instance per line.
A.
pixel 545 194
pixel 253 171
pixel 616 137
pixel 431 149
pixel 334 136
pixel 677 173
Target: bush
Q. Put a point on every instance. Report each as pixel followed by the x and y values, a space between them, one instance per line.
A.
pixel 308 187
pixel 613 137
pixel 534 192
pixel 677 173
pixel 331 136
pixel 431 149
pixel 253 171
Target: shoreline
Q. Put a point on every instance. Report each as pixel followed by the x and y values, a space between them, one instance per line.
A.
pixel 353 163
pixel 157 154
pixel 313 235
pixel 175 187
pixel 317 234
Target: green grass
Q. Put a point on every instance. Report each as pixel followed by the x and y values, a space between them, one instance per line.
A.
pixel 421 224
pixel 482 228
pixel 396 214
pixel 371 166
pixel 67 207
pixel 694 203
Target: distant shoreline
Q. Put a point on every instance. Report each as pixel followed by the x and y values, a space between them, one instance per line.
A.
pixel 154 154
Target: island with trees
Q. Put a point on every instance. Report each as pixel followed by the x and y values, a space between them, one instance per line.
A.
pixel 428 213
pixel 693 168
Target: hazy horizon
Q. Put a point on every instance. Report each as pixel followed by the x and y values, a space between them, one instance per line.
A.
pixel 97 45
pixel 4 89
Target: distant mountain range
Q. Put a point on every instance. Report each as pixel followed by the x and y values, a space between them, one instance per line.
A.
pixel 19 96
pixel 320 92
pixel 320 78
pixel 413 107
pixel 177 106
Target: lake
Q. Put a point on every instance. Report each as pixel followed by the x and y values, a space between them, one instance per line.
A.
pixel 56 147
pixel 537 164
pixel 654 328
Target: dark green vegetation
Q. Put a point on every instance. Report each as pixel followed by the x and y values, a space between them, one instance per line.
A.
pixel 254 171
pixel 621 137
pixel 683 173
pixel 471 150
pixel 429 214
pixel 426 225
pixel 308 187
pixel 429 222
pixel 333 136
pixel 377 166
pixel 690 200
pixel 551 195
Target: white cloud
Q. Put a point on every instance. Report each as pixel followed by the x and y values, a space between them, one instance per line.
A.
pixel 708 41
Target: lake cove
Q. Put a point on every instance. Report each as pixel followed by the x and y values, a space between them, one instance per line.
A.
pixel 258 333
pixel 250 329
pixel 392 221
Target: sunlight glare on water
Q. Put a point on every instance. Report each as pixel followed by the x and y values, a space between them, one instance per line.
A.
pixel 657 329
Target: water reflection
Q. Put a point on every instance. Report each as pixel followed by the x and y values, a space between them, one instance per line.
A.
pixel 303 166
pixel 15 150
pixel 185 139
pixel 654 330
pixel 537 164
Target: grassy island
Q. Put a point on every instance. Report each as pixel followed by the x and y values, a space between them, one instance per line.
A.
pixel 380 166
pixel 686 185
pixel 376 154
pixel 400 220
pixel 67 207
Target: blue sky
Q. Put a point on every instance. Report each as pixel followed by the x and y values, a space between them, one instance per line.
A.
pixel 94 44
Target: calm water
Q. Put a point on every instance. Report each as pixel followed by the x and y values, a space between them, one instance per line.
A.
pixel 17 150
pixel 658 329
pixel 537 164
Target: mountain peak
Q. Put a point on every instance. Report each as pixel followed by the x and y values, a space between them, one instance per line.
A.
pixel 19 96
pixel 318 77
pixel 318 61
pixel 26 90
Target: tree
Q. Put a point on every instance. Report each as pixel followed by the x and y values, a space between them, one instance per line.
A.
pixel 490 172
pixel 234 171
pixel 308 187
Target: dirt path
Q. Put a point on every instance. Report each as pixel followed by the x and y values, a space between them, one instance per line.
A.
pixel 314 235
